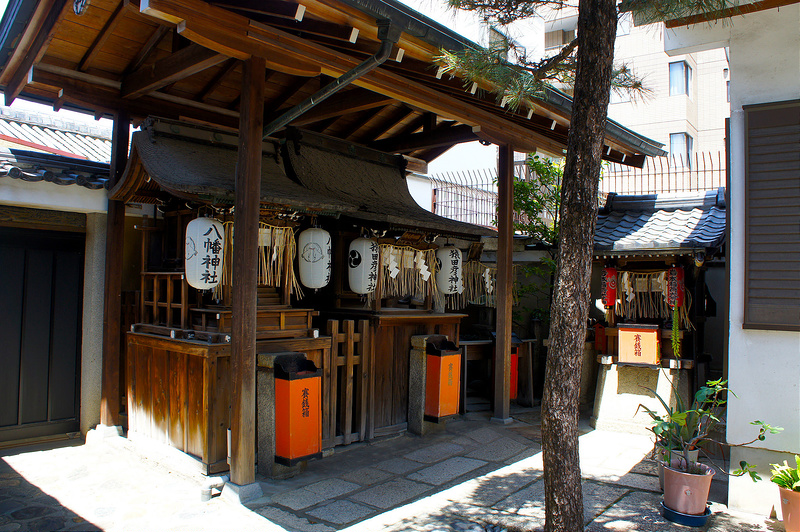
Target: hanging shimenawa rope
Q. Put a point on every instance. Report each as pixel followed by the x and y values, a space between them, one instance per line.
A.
pixel 643 295
pixel 480 287
pixel 274 243
pixel 402 274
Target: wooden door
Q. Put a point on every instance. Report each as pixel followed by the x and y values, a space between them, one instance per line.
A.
pixel 40 328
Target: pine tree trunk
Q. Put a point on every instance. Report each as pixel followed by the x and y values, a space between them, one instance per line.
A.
pixel 597 24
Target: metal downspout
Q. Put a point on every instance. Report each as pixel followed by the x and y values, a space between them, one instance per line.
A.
pixel 388 33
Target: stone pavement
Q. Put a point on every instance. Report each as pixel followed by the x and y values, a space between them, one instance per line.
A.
pixel 470 476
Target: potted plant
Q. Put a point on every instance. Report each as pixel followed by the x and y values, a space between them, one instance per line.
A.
pixel 679 433
pixel 788 481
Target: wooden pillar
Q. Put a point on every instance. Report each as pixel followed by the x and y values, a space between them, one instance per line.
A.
pixel 505 228
pixel 245 273
pixel 112 311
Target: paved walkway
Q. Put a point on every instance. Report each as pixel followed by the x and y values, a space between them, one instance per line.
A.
pixel 471 476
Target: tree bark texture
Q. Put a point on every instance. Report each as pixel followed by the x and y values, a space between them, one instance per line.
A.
pixel 597 24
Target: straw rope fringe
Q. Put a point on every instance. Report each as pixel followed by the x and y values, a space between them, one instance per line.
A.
pixel 274 243
pixel 644 295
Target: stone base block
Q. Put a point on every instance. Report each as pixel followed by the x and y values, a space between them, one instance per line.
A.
pixel 622 389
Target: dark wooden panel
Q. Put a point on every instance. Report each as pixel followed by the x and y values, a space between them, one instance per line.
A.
pixel 12 263
pixel 36 335
pixel 194 407
pixel 159 383
pixel 176 367
pixel 67 297
pixel 772 217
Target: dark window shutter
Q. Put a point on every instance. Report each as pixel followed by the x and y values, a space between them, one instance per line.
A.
pixel 772 217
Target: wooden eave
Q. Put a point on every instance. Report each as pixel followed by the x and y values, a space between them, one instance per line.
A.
pixel 180 59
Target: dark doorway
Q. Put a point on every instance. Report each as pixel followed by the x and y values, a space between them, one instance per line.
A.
pixel 41 275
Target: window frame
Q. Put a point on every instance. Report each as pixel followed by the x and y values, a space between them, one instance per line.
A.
pixel 685 81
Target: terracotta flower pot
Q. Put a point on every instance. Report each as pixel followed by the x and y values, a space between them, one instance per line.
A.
pixel 685 492
pixel 694 454
pixel 790 506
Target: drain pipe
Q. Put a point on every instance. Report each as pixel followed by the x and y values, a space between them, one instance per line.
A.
pixel 388 33
pixel 212 483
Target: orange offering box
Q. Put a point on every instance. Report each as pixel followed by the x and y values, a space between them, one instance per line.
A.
pixel 639 344
pixel 442 380
pixel 298 412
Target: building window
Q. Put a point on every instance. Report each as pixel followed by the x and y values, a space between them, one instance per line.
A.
pixel 680 147
pixel 558 38
pixel 680 79
pixel 619 95
pixel 624 24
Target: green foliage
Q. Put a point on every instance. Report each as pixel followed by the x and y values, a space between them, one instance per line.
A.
pixel 676 333
pixel 785 476
pixel 537 201
pixel 683 429
pixel 536 213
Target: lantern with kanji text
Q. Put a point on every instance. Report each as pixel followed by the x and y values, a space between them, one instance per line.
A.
pixel 204 245
pixel 448 276
pixel 675 287
pixel 362 265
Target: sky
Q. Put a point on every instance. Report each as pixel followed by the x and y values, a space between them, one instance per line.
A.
pixel 467 156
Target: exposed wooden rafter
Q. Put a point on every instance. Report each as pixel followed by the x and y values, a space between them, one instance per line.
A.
pixel 224 71
pixel 440 136
pixel 95 92
pixel 274 8
pixel 32 46
pixel 313 27
pixel 396 117
pixel 105 33
pixel 740 9
pixel 343 103
pixel 180 65
pixel 148 48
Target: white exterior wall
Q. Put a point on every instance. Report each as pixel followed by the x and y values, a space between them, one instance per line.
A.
pixel 763 366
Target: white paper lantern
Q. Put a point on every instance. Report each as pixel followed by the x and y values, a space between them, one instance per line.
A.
pixel 448 276
pixel 314 248
pixel 205 242
pixel 362 265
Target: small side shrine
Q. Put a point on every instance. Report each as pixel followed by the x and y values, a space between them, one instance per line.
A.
pixel 350 268
pixel 652 253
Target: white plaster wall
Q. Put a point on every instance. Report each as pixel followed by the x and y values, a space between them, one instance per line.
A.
pixel 44 195
pixel 764 366
pixel 92 338
pixel 421 190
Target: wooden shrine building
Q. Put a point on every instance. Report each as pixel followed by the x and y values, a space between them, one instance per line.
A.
pixel 280 114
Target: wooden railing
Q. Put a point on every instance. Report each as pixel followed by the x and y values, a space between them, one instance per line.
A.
pixel 345 382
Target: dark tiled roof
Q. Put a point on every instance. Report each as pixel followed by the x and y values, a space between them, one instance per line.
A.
pixel 685 222
pixel 35 166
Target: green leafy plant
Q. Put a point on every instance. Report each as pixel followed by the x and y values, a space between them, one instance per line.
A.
pixel 685 427
pixel 785 476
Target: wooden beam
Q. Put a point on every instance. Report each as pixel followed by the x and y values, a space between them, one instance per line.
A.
pixel 740 9
pixel 112 311
pixel 245 271
pixel 93 92
pixel 276 59
pixel 266 41
pixel 446 136
pixel 274 107
pixel 343 103
pixel 505 229
pixel 102 37
pixel 32 46
pixel 180 65
pixel 275 8
pixel 215 82
pixel 397 116
pixel 148 48
pixel 337 32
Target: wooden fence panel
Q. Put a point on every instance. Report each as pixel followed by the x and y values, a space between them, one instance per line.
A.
pixel 345 379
